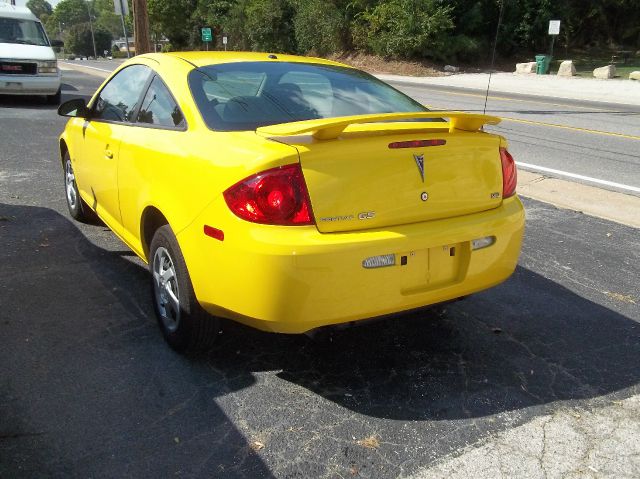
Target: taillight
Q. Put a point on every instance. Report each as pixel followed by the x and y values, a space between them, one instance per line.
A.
pixel 509 174
pixel 275 197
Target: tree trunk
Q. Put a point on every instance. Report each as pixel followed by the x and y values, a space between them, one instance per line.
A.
pixel 141 27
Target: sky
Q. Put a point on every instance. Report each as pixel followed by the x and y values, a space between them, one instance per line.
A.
pixel 23 3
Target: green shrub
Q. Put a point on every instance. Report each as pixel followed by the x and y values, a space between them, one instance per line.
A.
pixel 268 26
pixel 79 40
pixel 405 28
pixel 462 48
pixel 318 27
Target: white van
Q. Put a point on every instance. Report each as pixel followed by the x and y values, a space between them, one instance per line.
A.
pixel 28 64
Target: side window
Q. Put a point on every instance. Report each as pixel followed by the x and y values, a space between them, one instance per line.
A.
pixel 159 108
pixel 118 99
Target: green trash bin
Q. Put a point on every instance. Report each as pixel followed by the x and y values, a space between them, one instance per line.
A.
pixel 542 64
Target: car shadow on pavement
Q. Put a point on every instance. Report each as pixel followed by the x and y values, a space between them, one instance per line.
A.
pixel 38 102
pixel 87 386
pixel 528 342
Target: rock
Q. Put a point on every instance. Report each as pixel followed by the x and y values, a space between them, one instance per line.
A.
pixel 605 72
pixel 567 69
pixel 529 67
pixel 634 75
pixel 451 69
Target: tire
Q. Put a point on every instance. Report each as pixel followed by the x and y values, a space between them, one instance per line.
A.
pixel 55 98
pixel 78 209
pixel 185 325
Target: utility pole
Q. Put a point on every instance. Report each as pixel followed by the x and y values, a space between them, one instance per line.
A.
pixel 141 27
pixel 93 38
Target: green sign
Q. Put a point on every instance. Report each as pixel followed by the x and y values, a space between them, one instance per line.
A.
pixel 206 34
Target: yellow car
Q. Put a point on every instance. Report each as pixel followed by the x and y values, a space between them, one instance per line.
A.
pixel 288 192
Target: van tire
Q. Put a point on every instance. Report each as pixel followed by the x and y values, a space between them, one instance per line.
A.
pixel 55 98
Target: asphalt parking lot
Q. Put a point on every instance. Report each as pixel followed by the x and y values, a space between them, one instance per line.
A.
pixel 89 389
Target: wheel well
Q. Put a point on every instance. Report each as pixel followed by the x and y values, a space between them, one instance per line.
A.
pixel 152 219
pixel 63 150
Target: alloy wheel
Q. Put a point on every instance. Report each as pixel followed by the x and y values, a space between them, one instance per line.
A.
pixel 165 287
pixel 70 185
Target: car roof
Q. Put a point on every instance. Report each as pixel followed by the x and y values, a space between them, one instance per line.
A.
pixel 12 11
pixel 201 59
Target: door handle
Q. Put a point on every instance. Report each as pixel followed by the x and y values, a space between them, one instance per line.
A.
pixel 108 154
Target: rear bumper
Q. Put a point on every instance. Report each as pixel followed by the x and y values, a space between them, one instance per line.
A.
pixel 29 85
pixel 295 279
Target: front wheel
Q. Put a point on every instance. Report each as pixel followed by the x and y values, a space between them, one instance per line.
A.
pixel 184 324
pixel 78 209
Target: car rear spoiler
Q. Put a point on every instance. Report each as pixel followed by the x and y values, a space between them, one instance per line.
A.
pixel 330 128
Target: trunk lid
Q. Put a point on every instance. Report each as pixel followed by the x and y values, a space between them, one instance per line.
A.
pixel 357 181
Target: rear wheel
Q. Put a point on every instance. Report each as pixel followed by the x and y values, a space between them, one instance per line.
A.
pixel 184 324
pixel 78 209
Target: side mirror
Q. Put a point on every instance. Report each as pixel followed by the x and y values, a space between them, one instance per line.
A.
pixel 57 43
pixel 73 108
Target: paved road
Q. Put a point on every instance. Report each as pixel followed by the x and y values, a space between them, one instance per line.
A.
pixel 89 389
pixel 600 143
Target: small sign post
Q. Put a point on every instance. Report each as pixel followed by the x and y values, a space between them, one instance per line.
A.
pixel 554 27
pixel 122 9
pixel 206 36
pixel 224 42
pixel 554 31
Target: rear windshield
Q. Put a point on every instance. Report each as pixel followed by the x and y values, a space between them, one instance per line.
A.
pixel 25 32
pixel 245 96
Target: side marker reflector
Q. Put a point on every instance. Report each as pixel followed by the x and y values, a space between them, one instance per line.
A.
pixel 379 261
pixel 483 242
pixel 214 232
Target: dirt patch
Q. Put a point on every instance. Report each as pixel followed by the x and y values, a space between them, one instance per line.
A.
pixel 371 442
pixel 376 64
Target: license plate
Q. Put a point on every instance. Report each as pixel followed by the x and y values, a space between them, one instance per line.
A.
pixel 432 268
pixel 13 85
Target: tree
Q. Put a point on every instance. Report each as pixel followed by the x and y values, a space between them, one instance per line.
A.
pixel 173 19
pixel 406 28
pixel 215 14
pixel 268 26
pixel 437 29
pixel 79 40
pixel 71 12
pixel 107 18
pixel 318 27
pixel 39 8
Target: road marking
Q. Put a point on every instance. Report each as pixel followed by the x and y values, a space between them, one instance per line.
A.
pixel 503 98
pixel 578 177
pixel 574 128
pixel 555 125
pixel 86 66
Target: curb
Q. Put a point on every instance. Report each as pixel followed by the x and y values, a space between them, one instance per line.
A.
pixel 591 200
pixel 100 72
pixel 578 90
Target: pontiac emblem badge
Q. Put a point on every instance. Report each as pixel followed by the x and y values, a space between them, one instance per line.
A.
pixel 420 162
